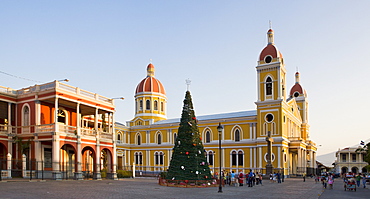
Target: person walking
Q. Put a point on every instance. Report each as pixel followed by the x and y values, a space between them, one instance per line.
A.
pixel 257 178
pixel 364 180
pixel 330 181
pixel 250 178
pixel 241 179
pixel 358 179
pixel 278 177
pixel 232 175
pixel 260 179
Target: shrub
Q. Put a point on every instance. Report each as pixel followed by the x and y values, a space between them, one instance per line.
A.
pixel 124 174
pixel 163 174
pixel 103 173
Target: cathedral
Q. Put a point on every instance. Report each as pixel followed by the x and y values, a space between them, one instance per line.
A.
pixel 146 142
pixel 58 131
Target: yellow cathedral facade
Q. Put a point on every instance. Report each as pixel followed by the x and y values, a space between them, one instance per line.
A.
pixel 145 143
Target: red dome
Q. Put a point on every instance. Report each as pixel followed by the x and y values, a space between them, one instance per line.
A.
pixel 296 88
pixel 150 83
pixel 272 51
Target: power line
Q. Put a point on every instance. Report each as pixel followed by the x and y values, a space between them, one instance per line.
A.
pixel 20 77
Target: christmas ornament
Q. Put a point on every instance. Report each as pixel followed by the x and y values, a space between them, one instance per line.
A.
pixel 194 118
pixel 186 153
pixel 196 172
pixel 190 124
pixel 182 167
pixel 173 178
pixel 194 145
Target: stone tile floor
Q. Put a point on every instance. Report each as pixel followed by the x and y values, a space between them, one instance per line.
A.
pixel 148 188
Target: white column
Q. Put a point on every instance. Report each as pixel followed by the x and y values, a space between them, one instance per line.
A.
pixel 9 118
pixel 37 112
pixel 96 119
pixel 147 160
pixel 114 172
pixel 9 165
pixel 251 131
pixel 279 156
pixel 299 158
pixel 250 157
pixel 278 84
pixel 255 157
pixel 78 173
pixel 56 156
pixel 97 174
pixel 56 114
pixel 78 122
pixel 258 85
pixel 38 152
pixel 254 130
pixel 260 156
pixel 128 155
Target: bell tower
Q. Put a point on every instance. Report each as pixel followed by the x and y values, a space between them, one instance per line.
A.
pixel 271 84
pixel 271 72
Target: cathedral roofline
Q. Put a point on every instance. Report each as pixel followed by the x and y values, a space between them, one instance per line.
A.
pixel 214 116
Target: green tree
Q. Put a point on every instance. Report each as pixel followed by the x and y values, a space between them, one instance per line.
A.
pixel 188 160
pixel 365 150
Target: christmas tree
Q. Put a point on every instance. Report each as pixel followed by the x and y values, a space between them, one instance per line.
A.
pixel 188 160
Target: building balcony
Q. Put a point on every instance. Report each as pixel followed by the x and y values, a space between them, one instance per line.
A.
pixel 57 86
pixel 62 130
pixel 5 129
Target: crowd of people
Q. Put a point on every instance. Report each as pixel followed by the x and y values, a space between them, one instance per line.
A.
pixel 249 179
pixel 327 179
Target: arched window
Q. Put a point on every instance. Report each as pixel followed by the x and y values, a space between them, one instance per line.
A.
pixel 147 104
pixel 155 105
pixel 26 116
pixel 156 159
pixel 141 105
pixel 240 158
pixel 159 138
pixel 233 158
pixel 119 138
pixel 208 137
pixel 210 158
pixel 174 137
pixel 138 158
pixel 237 135
pixel 138 139
pixel 269 86
pixel 160 158
pixel 162 106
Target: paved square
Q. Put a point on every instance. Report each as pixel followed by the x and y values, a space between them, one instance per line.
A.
pixel 149 188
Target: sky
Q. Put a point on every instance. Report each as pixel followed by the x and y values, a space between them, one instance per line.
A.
pixel 105 46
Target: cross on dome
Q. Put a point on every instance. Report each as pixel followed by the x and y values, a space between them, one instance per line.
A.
pixel 188 82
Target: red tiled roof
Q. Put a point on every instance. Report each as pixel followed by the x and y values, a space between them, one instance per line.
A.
pixel 150 84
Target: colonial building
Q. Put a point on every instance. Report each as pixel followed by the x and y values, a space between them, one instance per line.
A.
pixel 349 160
pixel 147 140
pixel 57 131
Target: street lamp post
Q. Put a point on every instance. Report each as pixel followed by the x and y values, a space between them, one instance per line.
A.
pixel 219 129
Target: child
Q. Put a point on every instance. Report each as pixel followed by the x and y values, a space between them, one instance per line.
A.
pixel 330 182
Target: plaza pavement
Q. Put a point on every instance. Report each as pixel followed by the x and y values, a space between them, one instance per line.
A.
pixel 143 188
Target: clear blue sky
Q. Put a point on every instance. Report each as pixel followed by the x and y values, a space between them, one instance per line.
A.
pixel 105 46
